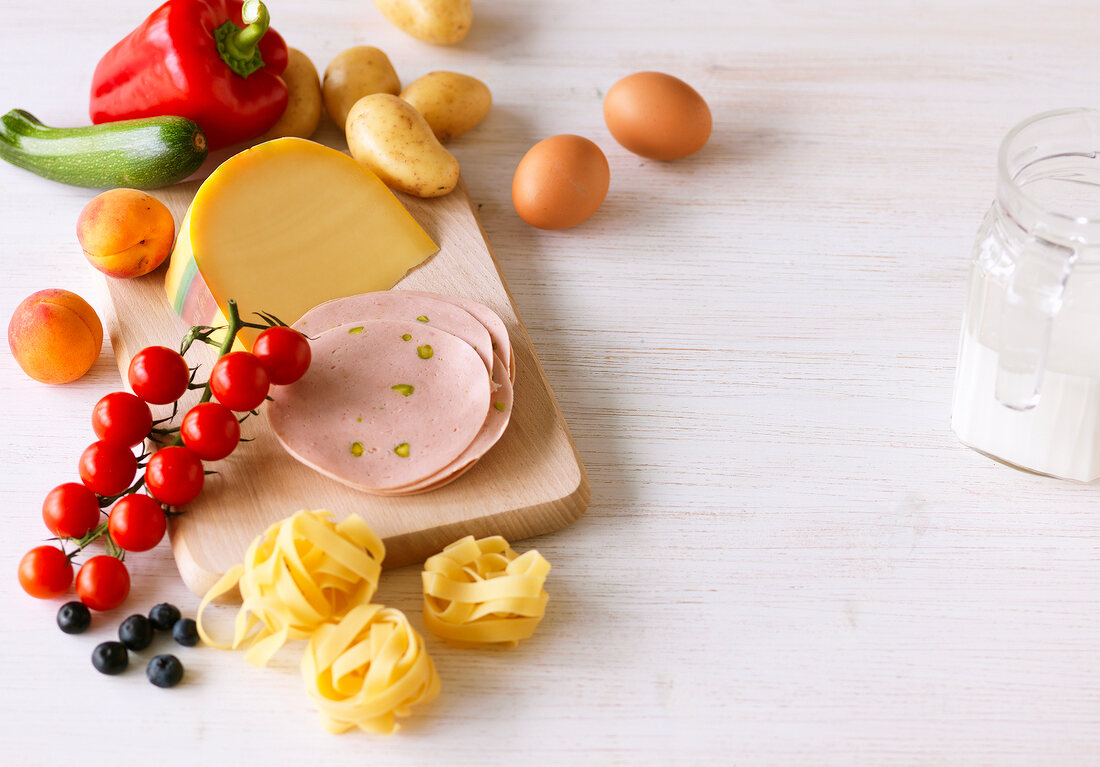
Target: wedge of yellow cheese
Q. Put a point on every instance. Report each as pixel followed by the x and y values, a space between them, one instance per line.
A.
pixel 284 226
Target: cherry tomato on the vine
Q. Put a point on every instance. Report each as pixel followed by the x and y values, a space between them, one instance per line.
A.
pixel 45 571
pixel 70 510
pixel 158 375
pixel 174 475
pixel 239 381
pixel 123 418
pixel 137 523
pixel 107 468
pixel 103 582
pixel 284 353
pixel 210 431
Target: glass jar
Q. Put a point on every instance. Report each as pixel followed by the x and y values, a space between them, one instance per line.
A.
pixel 1027 382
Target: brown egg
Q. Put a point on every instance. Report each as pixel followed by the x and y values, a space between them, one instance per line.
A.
pixel 560 182
pixel 657 116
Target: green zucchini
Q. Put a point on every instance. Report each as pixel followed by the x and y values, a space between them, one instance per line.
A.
pixel 144 154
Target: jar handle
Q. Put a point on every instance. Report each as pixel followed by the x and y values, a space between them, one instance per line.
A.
pixel 1033 298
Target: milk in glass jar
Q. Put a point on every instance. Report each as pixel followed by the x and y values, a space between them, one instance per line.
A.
pixel 1027 383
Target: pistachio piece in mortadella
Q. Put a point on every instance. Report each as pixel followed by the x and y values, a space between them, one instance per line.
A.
pixel 496 421
pixel 492 322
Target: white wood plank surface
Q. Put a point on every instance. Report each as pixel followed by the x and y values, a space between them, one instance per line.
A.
pixel 788 558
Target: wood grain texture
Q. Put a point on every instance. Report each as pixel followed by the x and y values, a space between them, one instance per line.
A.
pixel 531 482
pixel 788 558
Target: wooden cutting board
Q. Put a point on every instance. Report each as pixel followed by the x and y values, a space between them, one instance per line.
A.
pixel 531 482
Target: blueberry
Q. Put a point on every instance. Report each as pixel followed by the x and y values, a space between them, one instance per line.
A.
pixel 186 632
pixel 164 671
pixel 136 632
pixel 74 617
pixel 110 658
pixel 164 616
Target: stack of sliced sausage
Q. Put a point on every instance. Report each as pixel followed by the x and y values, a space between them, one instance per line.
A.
pixel 406 390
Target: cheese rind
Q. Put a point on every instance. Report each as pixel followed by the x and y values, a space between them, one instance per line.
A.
pixel 287 225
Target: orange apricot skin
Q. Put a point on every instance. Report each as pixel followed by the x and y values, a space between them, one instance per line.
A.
pixel 125 232
pixel 55 336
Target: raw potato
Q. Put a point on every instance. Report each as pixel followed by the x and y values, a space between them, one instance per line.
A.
pixel 395 141
pixel 303 108
pixel 451 103
pixel 441 22
pixel 353 74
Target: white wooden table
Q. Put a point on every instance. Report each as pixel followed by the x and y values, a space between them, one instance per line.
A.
pixel 788 558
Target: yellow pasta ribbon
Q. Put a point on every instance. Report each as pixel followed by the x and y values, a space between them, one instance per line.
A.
pixel 301 573
pixel 479 592
pixel 367 669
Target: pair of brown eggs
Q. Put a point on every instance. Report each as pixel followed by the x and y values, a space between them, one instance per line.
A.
pixel 563 180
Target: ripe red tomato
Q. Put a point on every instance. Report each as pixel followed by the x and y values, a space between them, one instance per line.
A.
pixel 284 353
pixel 210 431
pixel 137 523
pixel 174 475
pixel 107 468
pixel 158 375
pixel 70 510
pixel 45 572
pixel 239 381
pixel 103 582
pixel 123 418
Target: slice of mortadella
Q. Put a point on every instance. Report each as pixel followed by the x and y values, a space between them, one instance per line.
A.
pixel 434 311
pixel 385 404
pixel 500 412
pixel 498 332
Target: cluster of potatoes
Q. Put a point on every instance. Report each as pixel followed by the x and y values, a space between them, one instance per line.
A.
pixel 398 134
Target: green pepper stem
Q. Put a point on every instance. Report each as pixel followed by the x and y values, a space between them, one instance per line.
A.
pixel 238 47
pixel 242 45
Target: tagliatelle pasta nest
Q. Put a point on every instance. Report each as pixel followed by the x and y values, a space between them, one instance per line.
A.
pixel 367 670
pixel 480 592
pixel 301 573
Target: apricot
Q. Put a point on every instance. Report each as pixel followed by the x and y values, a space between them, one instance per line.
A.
pixel 55 336
pixel 125 232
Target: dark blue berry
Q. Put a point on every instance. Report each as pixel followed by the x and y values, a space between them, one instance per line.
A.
pixel 164 671
pixel 74 617
pixel 164 616
pixel 186 632
pixel 136 632
pixel 110 658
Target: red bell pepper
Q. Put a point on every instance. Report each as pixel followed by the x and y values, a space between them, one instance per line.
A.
pixel 192 58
